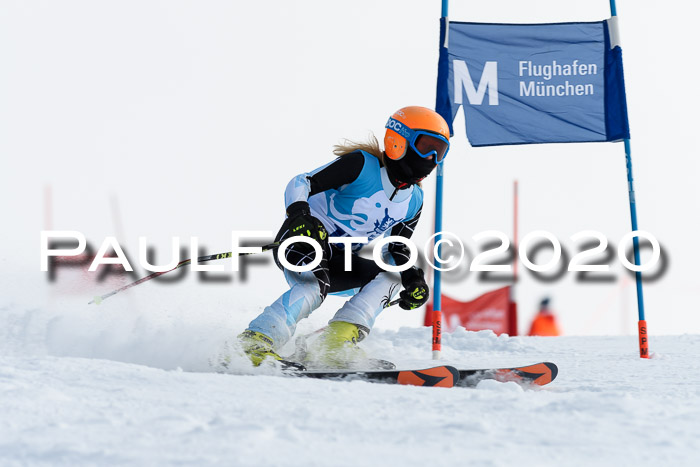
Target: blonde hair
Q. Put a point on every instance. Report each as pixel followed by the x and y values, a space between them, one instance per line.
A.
pixel 370 146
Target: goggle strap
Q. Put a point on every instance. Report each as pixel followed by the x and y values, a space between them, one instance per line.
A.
pixel 399 128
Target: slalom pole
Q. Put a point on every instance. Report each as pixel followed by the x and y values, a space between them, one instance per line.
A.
pixel 437 279
pixel 642 325
pixel 513 303
pixel 515 232
pixel 202 259
pixel 48 207
pixel 437 282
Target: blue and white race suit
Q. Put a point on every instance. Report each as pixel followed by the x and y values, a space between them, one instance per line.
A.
pixel 351 196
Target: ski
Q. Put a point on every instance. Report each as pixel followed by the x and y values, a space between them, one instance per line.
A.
pixel 538 374
pixel 445 376
pixel 440 376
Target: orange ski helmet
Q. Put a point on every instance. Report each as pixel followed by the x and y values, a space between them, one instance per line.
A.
pixel 417 128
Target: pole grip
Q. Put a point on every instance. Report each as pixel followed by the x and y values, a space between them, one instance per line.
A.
pixel 643 339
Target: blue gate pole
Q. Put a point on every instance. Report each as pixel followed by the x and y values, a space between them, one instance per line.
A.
pixel 642 325
pixel 437 279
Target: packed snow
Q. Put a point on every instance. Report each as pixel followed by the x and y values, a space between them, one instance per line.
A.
pixel 69 397
pixel 138 120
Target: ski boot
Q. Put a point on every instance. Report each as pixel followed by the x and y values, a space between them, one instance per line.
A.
pixel 337 347
pixel 259 347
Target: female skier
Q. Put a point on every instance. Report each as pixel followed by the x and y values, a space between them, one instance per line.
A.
pixel 363 193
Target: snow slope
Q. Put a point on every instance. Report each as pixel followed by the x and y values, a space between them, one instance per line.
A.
pixel 607 407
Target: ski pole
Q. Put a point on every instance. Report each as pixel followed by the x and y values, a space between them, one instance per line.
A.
pixel 202 259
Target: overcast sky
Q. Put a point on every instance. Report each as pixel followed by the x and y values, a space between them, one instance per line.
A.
pixel 184 118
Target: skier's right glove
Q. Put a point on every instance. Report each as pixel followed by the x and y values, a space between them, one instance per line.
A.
pixel 416 291
pixel 301 223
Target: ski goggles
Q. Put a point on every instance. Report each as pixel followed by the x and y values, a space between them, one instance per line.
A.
pixel 424 143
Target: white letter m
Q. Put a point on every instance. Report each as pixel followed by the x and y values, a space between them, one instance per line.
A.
pixel 463 80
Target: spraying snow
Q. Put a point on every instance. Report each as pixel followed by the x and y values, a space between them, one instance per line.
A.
pixel 607 406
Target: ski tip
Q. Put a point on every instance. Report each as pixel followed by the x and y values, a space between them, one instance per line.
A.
pixel 554 370
pixel 440 376
pixel 539 373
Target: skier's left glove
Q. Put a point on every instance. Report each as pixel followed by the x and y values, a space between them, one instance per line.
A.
pixel 416 291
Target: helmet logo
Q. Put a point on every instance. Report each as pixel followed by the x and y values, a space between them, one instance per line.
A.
pixel 398 127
